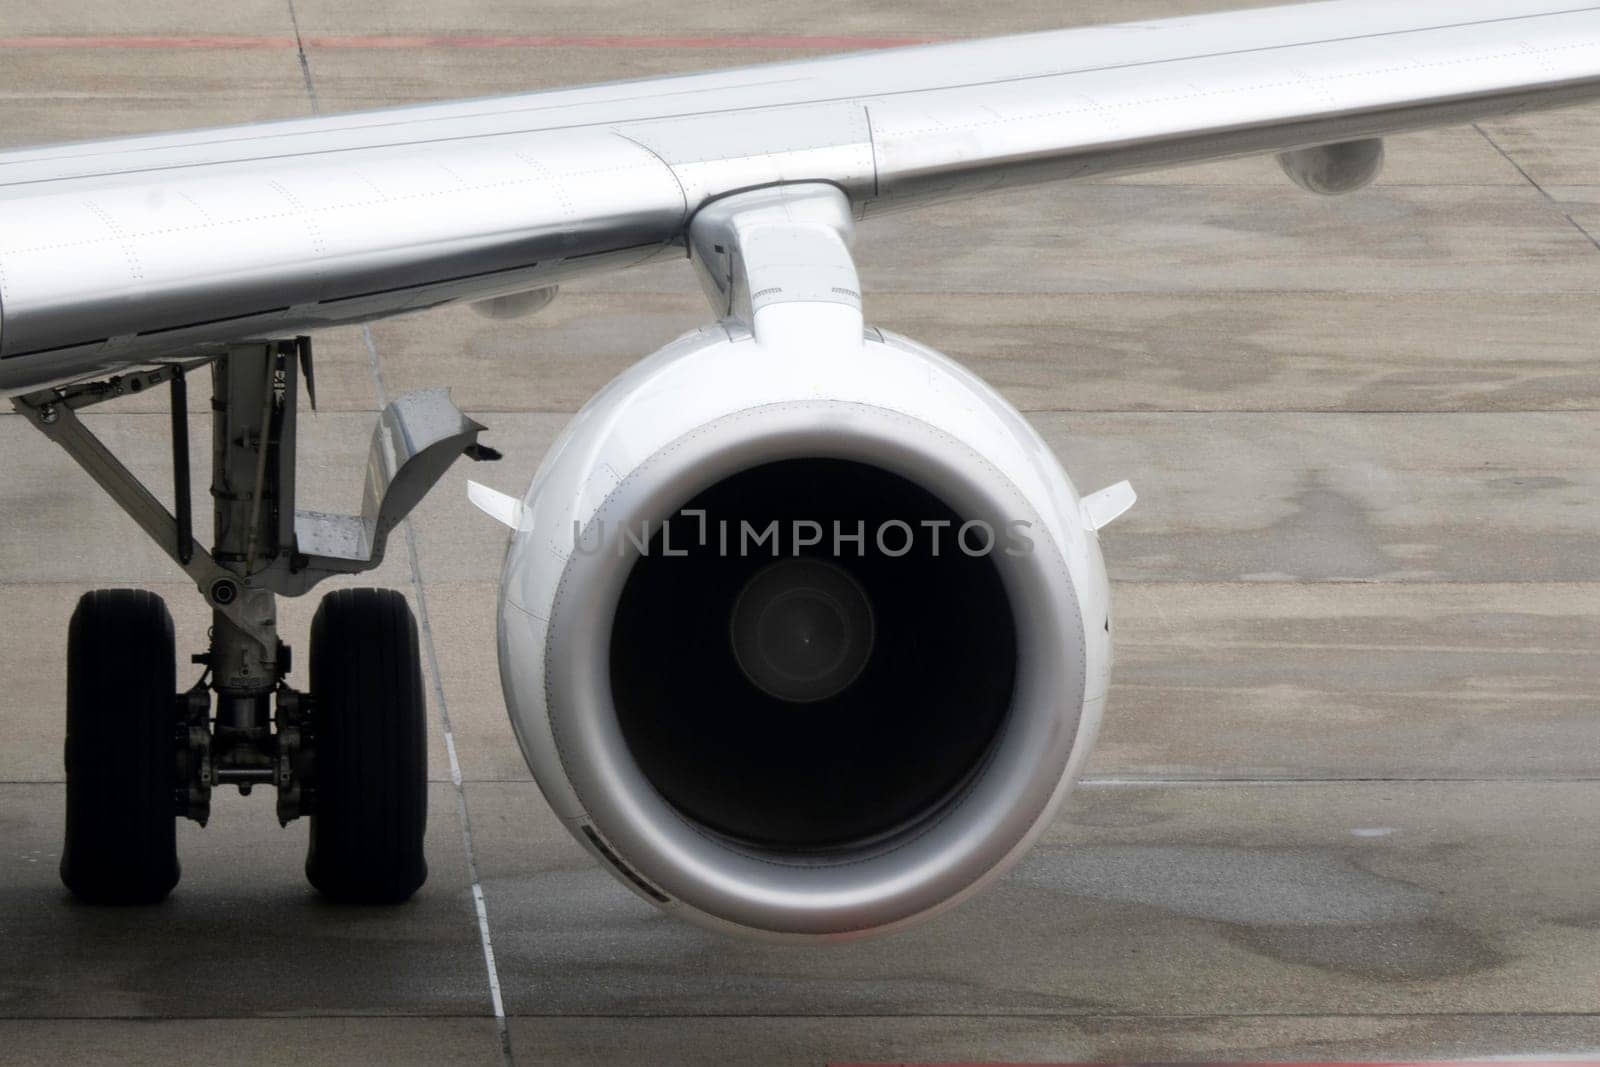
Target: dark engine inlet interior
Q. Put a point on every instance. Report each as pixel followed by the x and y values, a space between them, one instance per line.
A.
pixel 813 698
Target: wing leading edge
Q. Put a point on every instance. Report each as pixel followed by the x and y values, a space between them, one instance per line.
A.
pixel 118 251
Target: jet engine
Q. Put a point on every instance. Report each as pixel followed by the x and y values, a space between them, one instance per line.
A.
pixel 803 636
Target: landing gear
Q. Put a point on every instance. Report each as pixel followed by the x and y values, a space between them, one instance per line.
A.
pixel 122 844
pixel 372 749
pixel 352 753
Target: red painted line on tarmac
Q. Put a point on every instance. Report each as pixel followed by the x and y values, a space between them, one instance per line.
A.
pixel 772 41
pixel 392 41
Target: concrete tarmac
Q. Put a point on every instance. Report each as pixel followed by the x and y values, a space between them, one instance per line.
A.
pixel 1343 806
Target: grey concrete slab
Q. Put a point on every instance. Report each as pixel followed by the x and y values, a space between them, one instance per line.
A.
pixel 457 543
pixel 1554 147
pixel 353 78
pixel 50 95
pixel 463 622
pixel 1507 497
pixel 553 361
pixel 242 935
pixel 782 1042
pixel 1581 208
pixel 163 1042
pixel 1249 351
pixel 1141 238
pixel 176 17
pixel 1320 899
pixel 1388 497
pixel 833 17
pixel 1353 681
pixel 1434 351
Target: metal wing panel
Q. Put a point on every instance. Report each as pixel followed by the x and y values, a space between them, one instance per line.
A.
pixel 1118 119
pixel 713 155
pixel 204 255
pixel 115 250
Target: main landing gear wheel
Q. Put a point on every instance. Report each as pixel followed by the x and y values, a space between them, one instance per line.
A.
pixel 121 842
pixel 367 718
pixel 351 754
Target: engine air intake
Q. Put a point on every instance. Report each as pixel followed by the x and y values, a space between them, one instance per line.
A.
pixel 831 695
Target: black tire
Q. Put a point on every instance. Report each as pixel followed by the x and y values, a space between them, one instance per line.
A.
pixel 368 721
pixel 121 844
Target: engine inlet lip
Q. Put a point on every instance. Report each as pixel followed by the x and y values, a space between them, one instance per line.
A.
pixel 885 884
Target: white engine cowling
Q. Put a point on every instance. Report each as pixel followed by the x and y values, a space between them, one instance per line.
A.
pixel 803 642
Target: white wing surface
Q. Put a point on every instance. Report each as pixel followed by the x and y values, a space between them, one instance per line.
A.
pixel 119 251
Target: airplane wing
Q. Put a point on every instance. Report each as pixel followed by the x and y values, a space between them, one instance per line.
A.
pixel 117 252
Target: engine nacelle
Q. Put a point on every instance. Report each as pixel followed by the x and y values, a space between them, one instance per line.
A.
pixel 805 644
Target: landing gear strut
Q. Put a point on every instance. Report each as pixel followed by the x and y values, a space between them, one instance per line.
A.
pixel 351 753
